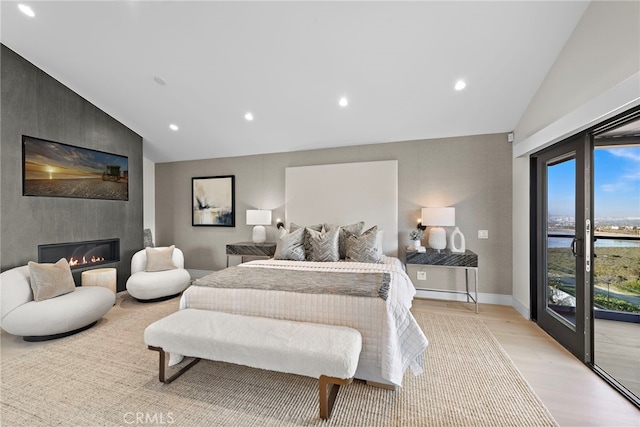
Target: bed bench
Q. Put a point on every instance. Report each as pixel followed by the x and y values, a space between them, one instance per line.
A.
pixel 329 353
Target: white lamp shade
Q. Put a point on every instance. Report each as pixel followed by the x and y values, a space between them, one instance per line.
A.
pixel 258 217
pixel 439 217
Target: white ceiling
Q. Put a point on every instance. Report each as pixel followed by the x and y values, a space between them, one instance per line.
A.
pixel 289 62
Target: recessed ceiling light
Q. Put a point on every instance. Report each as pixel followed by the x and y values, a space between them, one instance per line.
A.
pixel 343 102
pixel 460 84
pixel 26 10
pixel 173 127
pixel 160 81
pixel 248 117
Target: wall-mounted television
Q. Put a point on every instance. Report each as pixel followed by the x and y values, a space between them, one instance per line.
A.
pixel 54 169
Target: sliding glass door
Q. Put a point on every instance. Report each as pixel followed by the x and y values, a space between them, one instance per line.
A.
pixel 586 248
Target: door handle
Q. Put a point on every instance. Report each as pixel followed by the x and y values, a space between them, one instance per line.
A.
pixel 574 246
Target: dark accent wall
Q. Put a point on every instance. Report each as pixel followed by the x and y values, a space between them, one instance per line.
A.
pixel 35 104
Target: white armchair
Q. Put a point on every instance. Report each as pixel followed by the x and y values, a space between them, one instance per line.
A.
pixel 156 275
pixel 51 318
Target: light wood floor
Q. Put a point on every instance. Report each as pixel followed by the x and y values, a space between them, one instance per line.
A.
pixel 574 395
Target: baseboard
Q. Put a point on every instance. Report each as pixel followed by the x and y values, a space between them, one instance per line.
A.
pixel 483 298
pixel 522 309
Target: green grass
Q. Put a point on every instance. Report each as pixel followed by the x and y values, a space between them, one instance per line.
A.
pixel 604 301
pixel 615 304
pixel 615 269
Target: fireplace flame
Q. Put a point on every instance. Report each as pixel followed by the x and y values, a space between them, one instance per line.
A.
pixel 74 261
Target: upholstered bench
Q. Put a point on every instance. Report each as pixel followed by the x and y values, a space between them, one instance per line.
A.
pixel 329 353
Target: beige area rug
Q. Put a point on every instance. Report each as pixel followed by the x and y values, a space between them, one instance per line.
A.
pixel 106 376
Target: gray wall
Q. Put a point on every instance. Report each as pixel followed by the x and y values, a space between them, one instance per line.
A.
pixel 35 104
pixel 471 173
pixel 603 50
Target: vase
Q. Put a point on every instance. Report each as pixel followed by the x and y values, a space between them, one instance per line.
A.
pixel 415 243
pixel 452 241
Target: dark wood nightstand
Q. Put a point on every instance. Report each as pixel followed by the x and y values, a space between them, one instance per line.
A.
pixel 249 250
pixel 467 260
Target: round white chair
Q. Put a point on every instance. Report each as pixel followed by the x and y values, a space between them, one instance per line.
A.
pixel 51 318
pixel 151 286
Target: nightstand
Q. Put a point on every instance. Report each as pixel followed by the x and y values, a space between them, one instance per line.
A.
pixel 467 260
pixel 249 250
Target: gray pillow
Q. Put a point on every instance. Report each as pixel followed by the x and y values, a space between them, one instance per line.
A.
pixel 291 246
pixel 307 244
pixel 160 259
pixel 148 238
pixel 324 245
pixel 363 248
pixel 50 280
pixel 352 228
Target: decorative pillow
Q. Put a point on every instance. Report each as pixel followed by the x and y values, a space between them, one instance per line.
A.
pixel 352 228
pixel 148 238
pixel 160 259
pixel 291 246
pixel 50 280
pixel 379 240
pixel 324 245
pixel 307 244
pixel 363 248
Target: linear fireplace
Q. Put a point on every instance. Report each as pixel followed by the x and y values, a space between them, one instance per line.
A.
pixel 82 254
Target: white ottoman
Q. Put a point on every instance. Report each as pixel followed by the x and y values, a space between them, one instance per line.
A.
pixel 105 277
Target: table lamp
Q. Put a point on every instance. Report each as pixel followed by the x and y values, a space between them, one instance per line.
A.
pixel 259 218
pixel 436 218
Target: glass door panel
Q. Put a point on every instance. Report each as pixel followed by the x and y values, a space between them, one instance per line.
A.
pixel 563 244
pixel 616 300
pixel 560 268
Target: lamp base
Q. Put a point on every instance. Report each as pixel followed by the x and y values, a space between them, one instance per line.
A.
pixel 437 238
pixel 259 234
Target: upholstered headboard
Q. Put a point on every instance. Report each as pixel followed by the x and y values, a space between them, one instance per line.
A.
pixel 346 193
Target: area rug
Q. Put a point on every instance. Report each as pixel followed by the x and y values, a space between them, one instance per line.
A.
pixel 106 376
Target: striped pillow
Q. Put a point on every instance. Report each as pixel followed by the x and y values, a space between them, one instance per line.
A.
pixel 363 248
pixel 323 245
pixel 290 246
pixel 307 244
pixel 352 228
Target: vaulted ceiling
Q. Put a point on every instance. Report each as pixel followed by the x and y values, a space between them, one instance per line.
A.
pixel 204 65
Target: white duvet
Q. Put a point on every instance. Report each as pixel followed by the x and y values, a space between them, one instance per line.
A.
pixel 392 341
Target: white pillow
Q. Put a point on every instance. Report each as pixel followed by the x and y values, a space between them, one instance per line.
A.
pixel 50 280
pixel 160 259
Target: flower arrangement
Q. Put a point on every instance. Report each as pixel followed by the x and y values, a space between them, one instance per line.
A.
pixel 416 234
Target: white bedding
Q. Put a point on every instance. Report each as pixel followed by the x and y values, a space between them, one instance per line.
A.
pixel 392 341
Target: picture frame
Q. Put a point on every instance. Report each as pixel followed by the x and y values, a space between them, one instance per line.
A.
pixel 55 169
pixel 213 201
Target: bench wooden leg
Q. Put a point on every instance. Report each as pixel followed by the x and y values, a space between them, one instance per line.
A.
pixel 161 370
pixel 328 397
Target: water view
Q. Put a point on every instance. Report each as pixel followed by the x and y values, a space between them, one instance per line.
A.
pixel 616 228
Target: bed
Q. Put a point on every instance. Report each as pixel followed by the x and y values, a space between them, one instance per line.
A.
pixel 392 339
pixel 342 194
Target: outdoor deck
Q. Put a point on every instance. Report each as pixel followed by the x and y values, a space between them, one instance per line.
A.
pixel 617 351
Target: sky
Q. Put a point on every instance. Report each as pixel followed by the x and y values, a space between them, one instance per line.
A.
pixel 616 184
pixel 45 159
